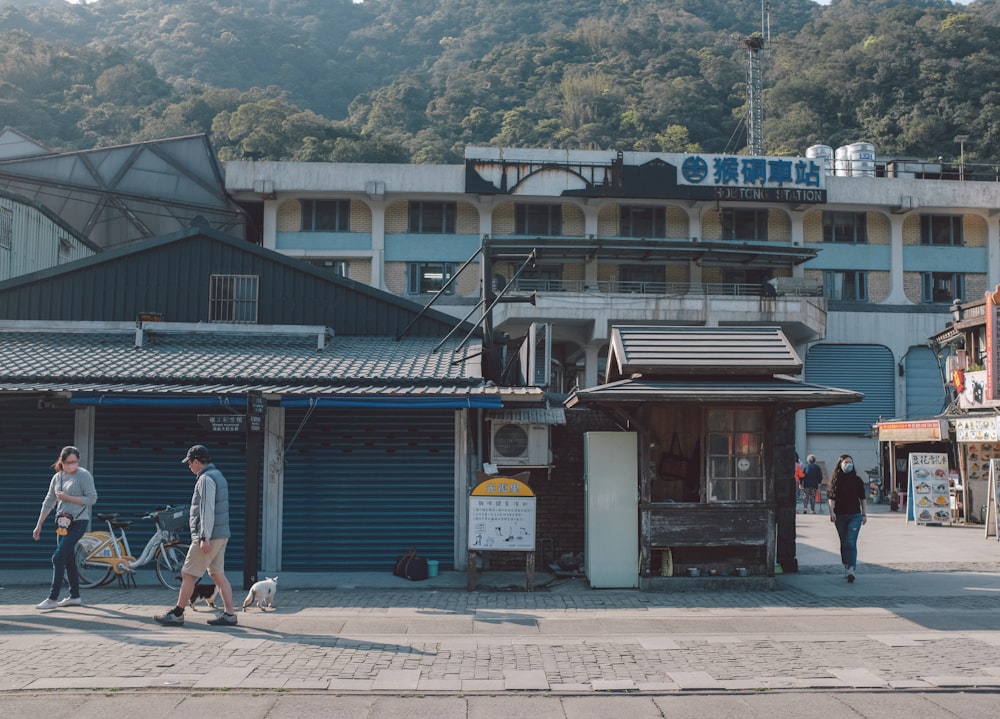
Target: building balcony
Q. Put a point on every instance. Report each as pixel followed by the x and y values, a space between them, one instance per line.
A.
pixel 585 311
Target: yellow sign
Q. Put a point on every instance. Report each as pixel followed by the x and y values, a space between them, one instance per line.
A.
pixel 502 487
pixel 502 516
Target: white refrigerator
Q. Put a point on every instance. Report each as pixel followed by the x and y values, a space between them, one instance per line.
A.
pixel 611 507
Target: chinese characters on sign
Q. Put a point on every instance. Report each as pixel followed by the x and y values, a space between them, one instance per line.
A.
pixel 502 516
pixel 222 422
pixel 930 501
pixel 773 179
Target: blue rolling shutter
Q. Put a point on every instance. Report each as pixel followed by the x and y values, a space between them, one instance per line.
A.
pixel 925 395
pixel 29 444
pixel 364 485
pixel 869 369
pixel 137 466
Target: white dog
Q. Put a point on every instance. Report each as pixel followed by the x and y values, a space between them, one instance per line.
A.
pixel 262 593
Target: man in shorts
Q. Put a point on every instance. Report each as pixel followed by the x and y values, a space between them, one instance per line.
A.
pixel 210 534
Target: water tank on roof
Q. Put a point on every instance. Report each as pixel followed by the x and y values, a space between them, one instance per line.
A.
pixel 823 153
pixel 855 160
pixel 841 166
pixel 862 158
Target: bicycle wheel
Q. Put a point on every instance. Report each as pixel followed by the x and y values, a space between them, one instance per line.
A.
pixel 91 574
pixel 169 560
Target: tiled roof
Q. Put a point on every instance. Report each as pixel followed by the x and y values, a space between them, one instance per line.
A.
pixel 531 415
pixel 233 362
pixel 783 391
pixel 666 351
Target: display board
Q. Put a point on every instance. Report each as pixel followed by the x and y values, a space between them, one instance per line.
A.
pixel 929 495
pixel 992 518
pixel 502 516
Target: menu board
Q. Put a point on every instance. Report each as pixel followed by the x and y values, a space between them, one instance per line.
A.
pixel 992 518
pixel 977 459
pixel 929 497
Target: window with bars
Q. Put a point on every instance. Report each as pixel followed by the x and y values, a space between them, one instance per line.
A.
pixel 846 227
pixel 736 455
pixel 532 219
pixel 941 286
pixel 851 285
pixel 326 215
pixel 338 267
pixel 429 277
pixel 233 298
pixel 433 217
pixel 744 225
pixel 941 230
pixel 642 221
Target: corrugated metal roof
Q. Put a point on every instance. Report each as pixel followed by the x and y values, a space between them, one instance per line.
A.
pixel 784 391
pixel 230 362
pixel 668 351
pixel 531 415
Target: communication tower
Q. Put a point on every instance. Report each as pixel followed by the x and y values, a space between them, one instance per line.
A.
pixel 755 81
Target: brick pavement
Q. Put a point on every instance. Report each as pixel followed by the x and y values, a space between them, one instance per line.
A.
pixel 923 616
pixel 565 638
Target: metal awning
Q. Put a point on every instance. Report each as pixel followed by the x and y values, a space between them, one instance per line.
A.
pixel 745 254
pixel 536 415
pixel 784 391
pixel 234 395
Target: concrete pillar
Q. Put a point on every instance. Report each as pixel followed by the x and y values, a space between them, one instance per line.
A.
pixel 269 229
pixel 897 294
pixel 378 243
pixel 591 365
pixel 273 490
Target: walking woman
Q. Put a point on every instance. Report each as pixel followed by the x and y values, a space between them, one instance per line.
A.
pixel 848 502
pixel 72 494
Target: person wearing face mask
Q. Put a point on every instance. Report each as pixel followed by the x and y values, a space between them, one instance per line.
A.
pixel 848 502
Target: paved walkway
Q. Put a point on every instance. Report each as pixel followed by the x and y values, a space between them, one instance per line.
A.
pixel 922 617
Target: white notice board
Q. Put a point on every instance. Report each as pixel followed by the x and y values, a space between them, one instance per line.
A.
pixel 929 499
pixel 502 516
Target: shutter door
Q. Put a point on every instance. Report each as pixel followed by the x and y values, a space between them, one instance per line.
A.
pixel 925 396
pixel 137 466
pixel 29 444
pixel 862 368
pixel 363 486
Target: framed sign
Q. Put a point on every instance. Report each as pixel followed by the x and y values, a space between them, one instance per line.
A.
pixel 992 517
pixel 929 495
pixel 502 516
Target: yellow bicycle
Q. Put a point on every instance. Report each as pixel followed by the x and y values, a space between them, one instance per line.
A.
pixel 103 555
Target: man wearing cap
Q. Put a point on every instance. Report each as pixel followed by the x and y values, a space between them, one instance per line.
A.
pixel 209 535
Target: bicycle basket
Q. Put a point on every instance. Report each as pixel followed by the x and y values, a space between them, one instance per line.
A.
pixel 172 520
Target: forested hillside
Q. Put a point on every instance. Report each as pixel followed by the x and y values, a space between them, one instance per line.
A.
pixel 418 80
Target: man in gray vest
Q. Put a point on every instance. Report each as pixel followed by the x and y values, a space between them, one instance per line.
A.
pixel 210 534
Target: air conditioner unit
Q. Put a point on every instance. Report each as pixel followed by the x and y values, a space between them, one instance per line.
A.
pixel 519 445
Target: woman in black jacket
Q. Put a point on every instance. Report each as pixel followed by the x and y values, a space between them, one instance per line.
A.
pixel 848 502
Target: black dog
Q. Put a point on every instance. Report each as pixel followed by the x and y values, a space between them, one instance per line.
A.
pixel 203 591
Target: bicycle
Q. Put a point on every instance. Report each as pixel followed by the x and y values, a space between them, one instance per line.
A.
pixel 102 555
